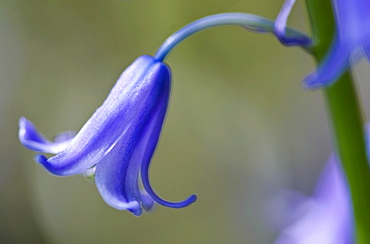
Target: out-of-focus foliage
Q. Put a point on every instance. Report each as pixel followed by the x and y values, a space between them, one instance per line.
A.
pixel 239 127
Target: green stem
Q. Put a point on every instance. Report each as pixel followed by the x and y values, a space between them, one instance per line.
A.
pixel 347 120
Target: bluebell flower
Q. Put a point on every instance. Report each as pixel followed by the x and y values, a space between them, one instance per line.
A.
pixel 117 143
pixel 326 217
pixel 352 41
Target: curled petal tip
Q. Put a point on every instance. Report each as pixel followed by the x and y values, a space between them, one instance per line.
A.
pixel 22 120
pixel 136 211
pixel 312 82
pixel 181 204
pixel 159 200
pixel 32 139
pixel 26 130
pixel 192 199
pixel 39 158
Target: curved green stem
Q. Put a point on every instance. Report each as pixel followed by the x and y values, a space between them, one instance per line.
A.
pixel 347 120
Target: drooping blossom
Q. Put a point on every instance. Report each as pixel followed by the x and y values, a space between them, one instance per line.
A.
pixel 326 217
pixel 117 143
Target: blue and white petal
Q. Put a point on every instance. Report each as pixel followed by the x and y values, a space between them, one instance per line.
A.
pixel 32 139
pixel 149 143
pixel 109 123
pixel 117 174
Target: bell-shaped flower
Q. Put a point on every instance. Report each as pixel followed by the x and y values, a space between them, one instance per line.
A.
pixel 117 143
pixel 352 41
pixel 326 217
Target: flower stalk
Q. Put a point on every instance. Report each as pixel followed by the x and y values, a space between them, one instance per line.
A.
pixel 248 21
pixel 346 118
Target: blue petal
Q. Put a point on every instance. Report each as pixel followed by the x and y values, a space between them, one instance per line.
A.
pixel 117 174
pixel 332 67
pixel 111 177
pixel 31 138
pixel 327 216
pixel 109 123
pixel 116 178
pixel 64 136
pixel 351 43
pixel 147 148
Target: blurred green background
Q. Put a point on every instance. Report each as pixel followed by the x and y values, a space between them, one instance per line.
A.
pixel 240 127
